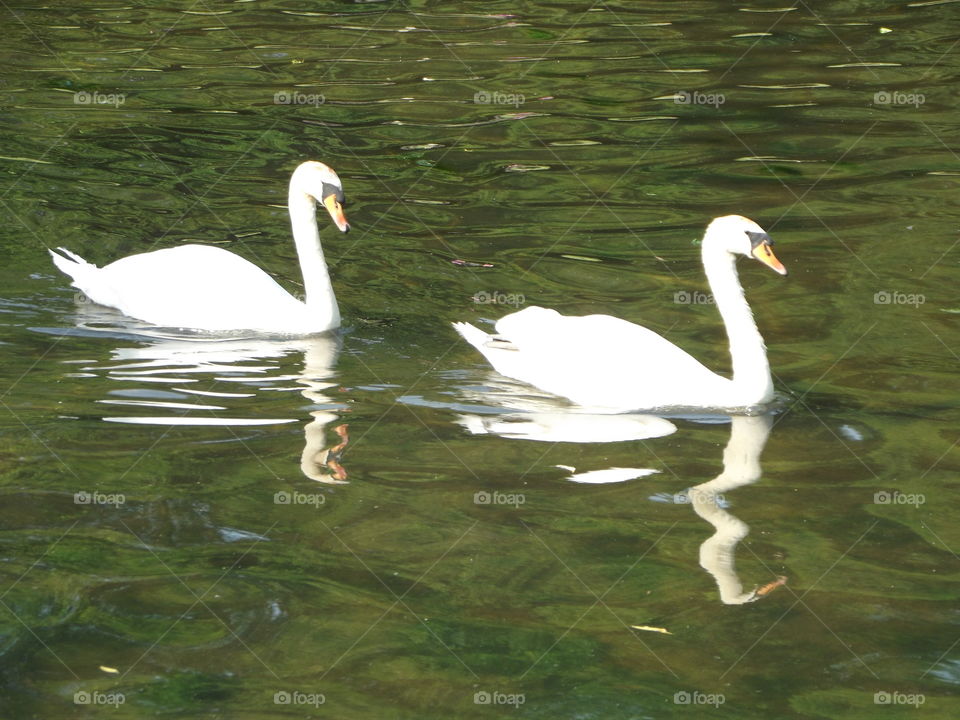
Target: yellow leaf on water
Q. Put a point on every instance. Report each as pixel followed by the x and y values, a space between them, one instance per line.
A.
pixel 112 671
pixel 649 628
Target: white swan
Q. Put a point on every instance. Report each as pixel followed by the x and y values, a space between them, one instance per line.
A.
pixel 209 288
pixel 604 362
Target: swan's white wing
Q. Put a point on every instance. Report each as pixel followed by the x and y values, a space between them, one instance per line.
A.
pixel 194 286
pixel 595 360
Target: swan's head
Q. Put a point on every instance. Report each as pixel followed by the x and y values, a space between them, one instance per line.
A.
pixel 742 236
pixel 321 183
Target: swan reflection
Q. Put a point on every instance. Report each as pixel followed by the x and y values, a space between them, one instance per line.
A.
pixel 540 418
pixel 535 415
pixel 741 466
pixel 160 370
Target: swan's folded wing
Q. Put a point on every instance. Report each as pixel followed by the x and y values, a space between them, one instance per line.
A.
pixel 596 359
pixel 192 285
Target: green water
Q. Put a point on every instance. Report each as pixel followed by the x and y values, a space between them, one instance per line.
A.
pixel 543 139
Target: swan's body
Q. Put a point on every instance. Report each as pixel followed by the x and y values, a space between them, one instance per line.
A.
pixel 209 288
pixel 601 361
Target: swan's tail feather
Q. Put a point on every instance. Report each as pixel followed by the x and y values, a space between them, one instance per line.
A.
pixel 70 263
pixel 73 256
pixel 85 276
pixel 476 337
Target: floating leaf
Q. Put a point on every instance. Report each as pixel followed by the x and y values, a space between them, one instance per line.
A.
pixel 468 263
pixel 649 628
pixel 517 167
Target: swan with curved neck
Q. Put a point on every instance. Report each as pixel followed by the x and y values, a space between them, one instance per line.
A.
pixel 607 363
pixel 208 288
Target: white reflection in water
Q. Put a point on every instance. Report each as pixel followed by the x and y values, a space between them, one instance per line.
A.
pixel 239 370
pixel 531 416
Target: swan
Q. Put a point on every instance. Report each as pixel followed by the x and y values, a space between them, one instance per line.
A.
pixel 208 288
pixel 607 363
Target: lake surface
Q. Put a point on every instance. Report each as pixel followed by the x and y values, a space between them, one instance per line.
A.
pixel 372 525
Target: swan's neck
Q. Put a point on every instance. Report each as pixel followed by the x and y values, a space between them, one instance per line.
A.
pixel 751 371
pixel 320 301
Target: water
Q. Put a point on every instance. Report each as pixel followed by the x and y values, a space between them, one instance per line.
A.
pixel 364 526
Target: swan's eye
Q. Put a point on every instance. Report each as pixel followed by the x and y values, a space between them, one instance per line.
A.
pixel 758 238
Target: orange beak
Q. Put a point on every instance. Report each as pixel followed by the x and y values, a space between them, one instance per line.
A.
pixel 764 253
pixel 336 212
